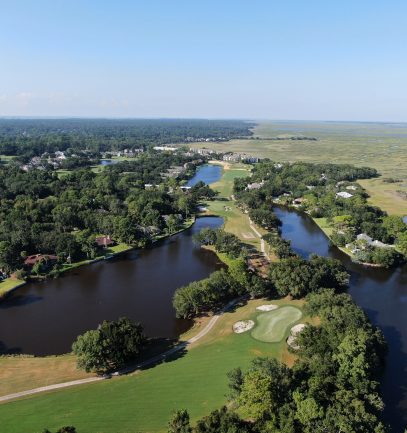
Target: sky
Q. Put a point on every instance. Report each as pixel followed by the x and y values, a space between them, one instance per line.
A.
pixel 309 60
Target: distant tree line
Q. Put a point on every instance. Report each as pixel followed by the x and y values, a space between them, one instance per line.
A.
pixel 130 202
pixel 33 137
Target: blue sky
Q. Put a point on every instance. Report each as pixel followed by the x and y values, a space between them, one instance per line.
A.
pixel 317 60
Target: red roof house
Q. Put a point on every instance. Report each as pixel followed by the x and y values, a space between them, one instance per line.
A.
pixel 32 260
pixel 104 241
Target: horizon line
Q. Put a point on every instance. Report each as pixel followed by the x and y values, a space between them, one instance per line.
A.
pixel 246 119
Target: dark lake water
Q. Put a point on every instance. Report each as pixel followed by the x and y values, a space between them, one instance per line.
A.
pixel 45 318
pixel 381 293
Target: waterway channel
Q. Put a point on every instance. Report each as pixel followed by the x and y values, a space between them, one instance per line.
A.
pixel 382 293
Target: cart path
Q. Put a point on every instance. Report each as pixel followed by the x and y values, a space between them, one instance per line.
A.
pixel 258 234
pixel 161 357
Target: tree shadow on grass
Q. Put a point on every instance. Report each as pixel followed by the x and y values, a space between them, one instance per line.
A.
pixel 158 351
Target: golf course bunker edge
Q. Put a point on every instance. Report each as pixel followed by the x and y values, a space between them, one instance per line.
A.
pixel 273 326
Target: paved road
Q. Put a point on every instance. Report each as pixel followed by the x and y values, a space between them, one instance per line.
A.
pixel 133 369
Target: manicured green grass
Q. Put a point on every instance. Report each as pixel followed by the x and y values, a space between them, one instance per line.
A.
pixel 143 402
pixel 273 326
pixel 8 285
pixel 378 145
pixel 327 229
pixel 323 225
pixel 5 159
pixel 62 173
pixel 235 221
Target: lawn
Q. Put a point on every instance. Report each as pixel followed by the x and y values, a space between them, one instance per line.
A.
pixel 5 159
pixel 143 402
pixel 236 221
pixel 379 145
pixel 9 284
pixel 19 373
pixel 62 172
pixel 273 326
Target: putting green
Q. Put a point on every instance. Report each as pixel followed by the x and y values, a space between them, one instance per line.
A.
pixel 273 325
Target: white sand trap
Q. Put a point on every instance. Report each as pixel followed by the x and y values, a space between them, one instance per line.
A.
pixel 295 330
pixel 243 326
pixel 267 307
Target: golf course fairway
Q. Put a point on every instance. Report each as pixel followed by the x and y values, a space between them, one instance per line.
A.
pixel 272 326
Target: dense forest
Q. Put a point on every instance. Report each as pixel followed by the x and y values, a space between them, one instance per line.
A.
pixel 129 202
pixel 33 137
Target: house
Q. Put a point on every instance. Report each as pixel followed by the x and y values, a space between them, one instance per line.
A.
pixel 255 185
pixel 231 157
pixel 352 187
pixel 250 159
pixel 30 261
pixel 178 216
pixel 60 155
pixel 165 148
pixel 344 194
pixel 364 237
pixel 379 244
pixel 371 242
pixel 203 151
pixel 104 241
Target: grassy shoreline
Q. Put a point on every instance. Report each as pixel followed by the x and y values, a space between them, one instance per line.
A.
pixel 8 285
pixel 195 380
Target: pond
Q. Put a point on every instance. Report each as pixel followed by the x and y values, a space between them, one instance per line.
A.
pixel 45 318
pixel 208 174
pixel 382 293
pixel 109 161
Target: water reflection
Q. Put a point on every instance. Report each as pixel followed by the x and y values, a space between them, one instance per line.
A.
pixel 382 293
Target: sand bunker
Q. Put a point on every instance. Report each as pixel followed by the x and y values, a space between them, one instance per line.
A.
pixel 243 326
pixel 267 307
pixel 295 330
